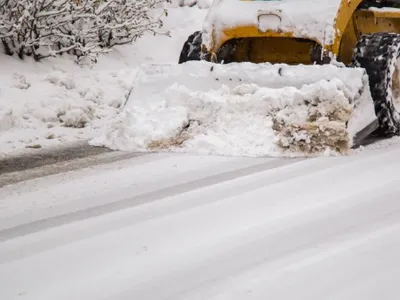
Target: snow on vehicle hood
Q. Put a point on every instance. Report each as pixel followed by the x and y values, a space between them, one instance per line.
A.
pixel 312 19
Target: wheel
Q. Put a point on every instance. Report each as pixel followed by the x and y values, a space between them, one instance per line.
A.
pixel 379 54
pixel 191 48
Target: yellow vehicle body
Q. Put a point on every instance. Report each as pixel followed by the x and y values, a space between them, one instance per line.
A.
pixel 284 46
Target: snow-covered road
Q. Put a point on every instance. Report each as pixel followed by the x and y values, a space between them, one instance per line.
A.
pixel 174 226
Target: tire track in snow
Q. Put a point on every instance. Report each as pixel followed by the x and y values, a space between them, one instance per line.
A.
pixel 273 174
pixel 345 226
pixel 128 202
pixel 286 249
pixel 32 166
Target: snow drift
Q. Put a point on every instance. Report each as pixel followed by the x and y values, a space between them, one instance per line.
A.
pixel 243 109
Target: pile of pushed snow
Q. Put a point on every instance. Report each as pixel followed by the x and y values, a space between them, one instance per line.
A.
pixel 240 109
pixel 41 109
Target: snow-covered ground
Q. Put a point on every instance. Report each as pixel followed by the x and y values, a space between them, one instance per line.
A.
pixel 47 103
pixel 54 106
pixel 180 226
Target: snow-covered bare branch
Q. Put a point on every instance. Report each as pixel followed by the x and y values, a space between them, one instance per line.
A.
pixel 42 28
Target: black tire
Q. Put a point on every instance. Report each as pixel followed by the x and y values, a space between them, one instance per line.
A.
pixel 378 53
pixel 191 48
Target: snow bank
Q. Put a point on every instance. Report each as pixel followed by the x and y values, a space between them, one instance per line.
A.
pixel 42 109
pixel 305 18
pixel 242 109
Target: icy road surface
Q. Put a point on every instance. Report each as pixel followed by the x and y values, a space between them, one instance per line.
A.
pixel 174 226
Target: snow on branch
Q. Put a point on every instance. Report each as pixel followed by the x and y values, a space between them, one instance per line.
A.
pixel 202 4
pixel 84 28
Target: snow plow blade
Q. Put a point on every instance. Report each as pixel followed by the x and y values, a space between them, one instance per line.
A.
pixel 246 109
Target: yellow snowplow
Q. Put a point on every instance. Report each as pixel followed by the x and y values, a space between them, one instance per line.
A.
pixel 325 72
